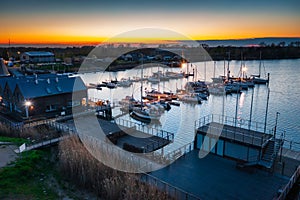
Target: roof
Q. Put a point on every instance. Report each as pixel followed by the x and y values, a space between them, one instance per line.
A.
pixel 39 53
pixel 40 87
pixel 3 68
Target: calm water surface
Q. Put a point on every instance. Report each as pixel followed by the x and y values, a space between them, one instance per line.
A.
pixel 284 95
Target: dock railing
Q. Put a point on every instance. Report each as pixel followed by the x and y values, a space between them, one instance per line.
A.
pixel 291 145
pixel 181 151
pixel 169 189
pixel 247 137
pixel 168 158
pixel 284 192
pixel 146 129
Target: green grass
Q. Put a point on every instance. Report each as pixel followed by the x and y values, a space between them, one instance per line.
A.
pixel 17 141
pixel 26 178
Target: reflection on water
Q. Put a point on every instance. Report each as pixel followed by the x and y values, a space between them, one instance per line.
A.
pixel 284 95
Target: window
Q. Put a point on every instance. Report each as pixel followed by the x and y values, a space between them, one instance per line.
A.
pixel 73 103
pixel 48 90
pixel 58 89
pixel 51 108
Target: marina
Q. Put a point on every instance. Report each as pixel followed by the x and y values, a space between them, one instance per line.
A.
pixel 176 121
pixel 279 95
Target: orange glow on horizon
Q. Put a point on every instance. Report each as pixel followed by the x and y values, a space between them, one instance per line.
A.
pixel 94 27
pixel 97 40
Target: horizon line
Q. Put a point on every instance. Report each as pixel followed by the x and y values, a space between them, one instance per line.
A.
pixel 93 43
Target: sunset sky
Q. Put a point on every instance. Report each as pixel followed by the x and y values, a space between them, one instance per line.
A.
pixel 67 21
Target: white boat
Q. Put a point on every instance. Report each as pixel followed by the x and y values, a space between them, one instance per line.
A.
pixel 190 98
pixel 161 76
pixel 145 113
pixel 174 75
pixel 217 90
pixel 153 79
pixel 257 78
pixel 111 85
pixel 124 82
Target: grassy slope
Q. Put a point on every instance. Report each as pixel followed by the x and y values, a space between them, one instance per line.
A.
pixel 25 178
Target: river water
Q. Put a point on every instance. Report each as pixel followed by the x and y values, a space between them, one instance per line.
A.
pixel 284 96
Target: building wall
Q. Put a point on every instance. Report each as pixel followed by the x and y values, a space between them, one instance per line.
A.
pixel 37 59
pixel 50 105
pixel 226 148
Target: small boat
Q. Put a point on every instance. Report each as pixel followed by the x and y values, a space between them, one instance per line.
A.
pixel 124 83
pixel 128 103
pixel 174 103
pixel 153 79
pixel 196 86
pixel 171 95
pixel 232 88
pixel 146 114
pixel 174 75
pixel 202 95
pixel 162 104
pixel 217 91
pixel 111 85
pixel 154 94
pixel 190 98
pixel 161 76
pixel 257 78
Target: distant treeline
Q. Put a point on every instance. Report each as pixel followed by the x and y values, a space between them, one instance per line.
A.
pixel 217 53
pixel 253 53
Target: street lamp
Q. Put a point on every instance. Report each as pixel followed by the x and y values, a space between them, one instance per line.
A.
pixel 27 105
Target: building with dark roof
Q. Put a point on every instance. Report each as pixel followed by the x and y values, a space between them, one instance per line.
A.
pixel 37 57
pixel 3 69
pixel 41 96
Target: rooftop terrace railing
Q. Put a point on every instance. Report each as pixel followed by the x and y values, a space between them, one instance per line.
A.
pixel 234 122
pixel 251 136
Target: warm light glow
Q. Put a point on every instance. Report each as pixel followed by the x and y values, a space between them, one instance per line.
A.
pixel 183 65
pixel 28 103
pixel 244 69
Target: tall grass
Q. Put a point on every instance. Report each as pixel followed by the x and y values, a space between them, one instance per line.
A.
pixel 81 167
pixel 37 133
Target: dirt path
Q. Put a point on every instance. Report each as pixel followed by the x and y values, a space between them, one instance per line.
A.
pixel 7 154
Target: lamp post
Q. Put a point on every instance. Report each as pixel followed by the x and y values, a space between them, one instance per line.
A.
pixel 27 105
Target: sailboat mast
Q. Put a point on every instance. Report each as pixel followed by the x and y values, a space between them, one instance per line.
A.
pixel 228 71
pixel 205 70
pixel 215 69
pixel 259 64
pixel 142 82
pixel 224 67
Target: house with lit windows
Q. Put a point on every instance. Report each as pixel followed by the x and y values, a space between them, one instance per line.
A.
pixel 41 96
